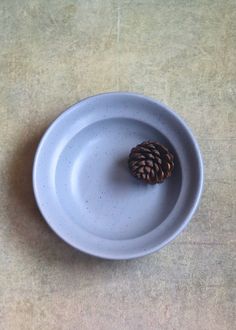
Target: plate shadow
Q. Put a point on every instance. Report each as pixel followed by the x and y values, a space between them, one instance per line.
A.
pixel 26 222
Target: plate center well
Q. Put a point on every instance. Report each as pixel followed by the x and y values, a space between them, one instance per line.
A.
pixel 97 191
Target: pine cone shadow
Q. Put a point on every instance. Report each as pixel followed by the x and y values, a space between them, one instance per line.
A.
pixel 120 174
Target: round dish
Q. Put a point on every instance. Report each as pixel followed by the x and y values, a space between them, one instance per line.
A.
pixel 83 187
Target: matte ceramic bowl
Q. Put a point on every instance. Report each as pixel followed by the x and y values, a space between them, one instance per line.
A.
pixel 85 191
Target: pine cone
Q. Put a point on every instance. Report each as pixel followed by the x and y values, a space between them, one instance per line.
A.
pixel 151 162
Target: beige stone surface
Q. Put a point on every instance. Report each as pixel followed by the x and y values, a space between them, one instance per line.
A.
pixel 52 54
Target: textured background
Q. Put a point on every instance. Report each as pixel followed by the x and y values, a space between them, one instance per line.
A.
pixel 55 52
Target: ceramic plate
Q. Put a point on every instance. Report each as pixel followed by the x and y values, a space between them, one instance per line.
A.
pixel 85 191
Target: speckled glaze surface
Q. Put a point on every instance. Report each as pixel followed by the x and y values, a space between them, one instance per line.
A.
pixel 85 191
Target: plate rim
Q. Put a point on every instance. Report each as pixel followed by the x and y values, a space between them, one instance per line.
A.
pixel 141 253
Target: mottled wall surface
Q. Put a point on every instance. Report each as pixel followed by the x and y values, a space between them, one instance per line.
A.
pixel 52 54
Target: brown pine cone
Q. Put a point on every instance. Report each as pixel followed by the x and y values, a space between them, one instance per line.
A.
pixel 151 162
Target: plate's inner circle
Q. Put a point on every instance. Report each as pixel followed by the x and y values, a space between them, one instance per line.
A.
pixel 96 190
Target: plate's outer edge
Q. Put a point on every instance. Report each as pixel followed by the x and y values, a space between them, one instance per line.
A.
pixel 198 190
